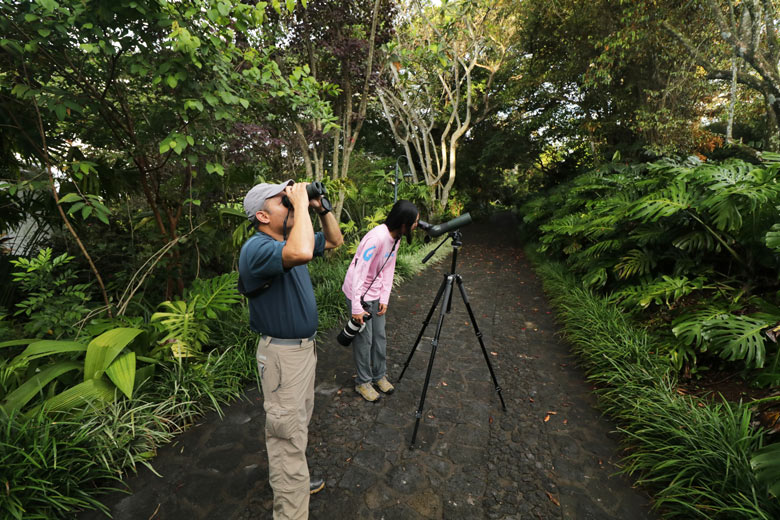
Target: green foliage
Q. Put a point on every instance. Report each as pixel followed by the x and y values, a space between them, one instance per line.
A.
pixel 186 323
pixel 38 370
pixel 53 303
pixel 766 463
pixel 694 455
pixel 49 469
pixel 675 238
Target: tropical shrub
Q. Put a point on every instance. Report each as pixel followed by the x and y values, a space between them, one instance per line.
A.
pixel 694 454
pixel 49 468
pixel 693 243
pixel 53 302
pixel 186 322
pixel 45 368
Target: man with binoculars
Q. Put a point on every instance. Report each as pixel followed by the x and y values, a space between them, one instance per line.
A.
pixel 282 308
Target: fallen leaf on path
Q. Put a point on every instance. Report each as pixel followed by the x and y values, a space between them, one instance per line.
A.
pixel 565 421
pixel 494 353
pixel 443 383
pixel 552 498
pixel 490 420
pixel 531 399
pixel 546 417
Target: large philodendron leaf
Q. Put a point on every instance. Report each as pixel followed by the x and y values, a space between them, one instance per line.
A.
pixel 772 238
pixel 95 392
pixel 664 203
pixel 689 327
pixel 33 386
pixel 737 338
pixel 102 350
pixel 122 373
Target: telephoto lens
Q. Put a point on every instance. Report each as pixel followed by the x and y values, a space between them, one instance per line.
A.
pixel 350 330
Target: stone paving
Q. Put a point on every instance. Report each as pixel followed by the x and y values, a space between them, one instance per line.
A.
pixel 550 455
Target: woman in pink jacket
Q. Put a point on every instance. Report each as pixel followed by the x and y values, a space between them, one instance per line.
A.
pixel 367 288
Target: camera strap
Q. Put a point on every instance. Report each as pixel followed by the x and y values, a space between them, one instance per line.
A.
pixel 362 298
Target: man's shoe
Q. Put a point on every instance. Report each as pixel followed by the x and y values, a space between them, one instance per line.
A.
pixel 316 484
pixel 367 391
pixel 384 385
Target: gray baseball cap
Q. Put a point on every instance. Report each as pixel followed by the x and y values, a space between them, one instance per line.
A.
pixel 256 197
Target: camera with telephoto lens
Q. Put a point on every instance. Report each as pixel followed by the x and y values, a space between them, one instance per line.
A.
pixel 313 190
pixel 351 329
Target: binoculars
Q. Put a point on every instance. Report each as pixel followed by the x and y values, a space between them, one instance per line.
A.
pixel 313 190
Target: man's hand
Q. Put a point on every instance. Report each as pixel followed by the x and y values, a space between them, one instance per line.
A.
pixel 382 309
pixel 316 204
pixel 298 196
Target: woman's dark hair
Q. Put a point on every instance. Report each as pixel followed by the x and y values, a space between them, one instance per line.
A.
pixel 403 212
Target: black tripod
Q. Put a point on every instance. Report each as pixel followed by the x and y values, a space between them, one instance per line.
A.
pixel 445 290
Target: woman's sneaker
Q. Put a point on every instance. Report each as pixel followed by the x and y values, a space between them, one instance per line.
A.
pixel 367 391
pixel 384 385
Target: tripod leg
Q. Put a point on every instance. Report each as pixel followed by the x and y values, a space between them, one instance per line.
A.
pixel 434 344
pixel 425 324
pixel 479 337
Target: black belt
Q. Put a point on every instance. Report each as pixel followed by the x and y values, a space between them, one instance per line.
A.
pixel 286 341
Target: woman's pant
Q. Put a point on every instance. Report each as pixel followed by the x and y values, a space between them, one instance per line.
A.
pixel 369 348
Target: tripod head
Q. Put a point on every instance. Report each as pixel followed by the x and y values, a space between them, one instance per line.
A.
pixel 455 236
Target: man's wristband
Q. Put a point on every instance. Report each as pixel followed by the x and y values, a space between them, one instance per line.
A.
pixel 323 212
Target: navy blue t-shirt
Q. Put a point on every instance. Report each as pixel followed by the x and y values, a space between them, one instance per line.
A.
pixel 287 309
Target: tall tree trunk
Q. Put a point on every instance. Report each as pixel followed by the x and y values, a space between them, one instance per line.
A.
pixel 732 101
pixel 52 185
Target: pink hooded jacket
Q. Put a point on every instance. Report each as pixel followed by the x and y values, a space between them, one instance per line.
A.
pixel 373 250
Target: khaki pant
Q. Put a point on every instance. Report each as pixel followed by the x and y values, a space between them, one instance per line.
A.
pixel 287 378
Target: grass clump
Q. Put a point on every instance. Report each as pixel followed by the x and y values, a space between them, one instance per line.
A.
pixel 692 454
